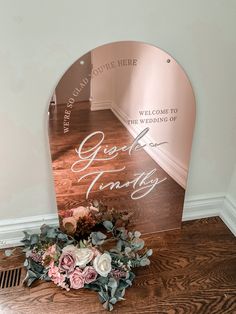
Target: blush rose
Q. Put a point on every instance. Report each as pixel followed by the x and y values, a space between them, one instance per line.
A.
pixel 89 274
pixel 67 261
pixel 77 279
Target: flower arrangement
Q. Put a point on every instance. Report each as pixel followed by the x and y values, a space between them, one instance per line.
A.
pixel 94 251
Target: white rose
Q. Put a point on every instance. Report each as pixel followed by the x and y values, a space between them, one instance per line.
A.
pixel 83 257
pixel 102 264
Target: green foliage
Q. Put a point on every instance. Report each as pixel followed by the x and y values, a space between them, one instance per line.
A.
pixel 108 225
pixel 98 238
pixel 48 235
pixel 128 253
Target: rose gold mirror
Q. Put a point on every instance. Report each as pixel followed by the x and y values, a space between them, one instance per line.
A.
pixel 121 123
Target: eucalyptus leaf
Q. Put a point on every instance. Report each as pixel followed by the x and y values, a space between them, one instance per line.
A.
pixel 44 229
pixel 30 281
pixel 51 233
pixel 103 296
pixel 106 305
pixel 100 235
pixel 108 225
pixel 46 277
pixel 137 244
pixel 27 235
pixel 144 262
pixel 35 267
pixel 34 239
pixel 123 234
pixel 113 300
pixel 129 282
pixel 8 252
pixel 123 293
pixel 115 251
pixel 119 245
pixel 62 236
pixel 102 280
pixel 112 283
pixel 123 284
pixel 149 252
pixel 98 238
pixel 137 234
pixel 81 244
pixel 127 250
pixel 26 263
pixel 32 274
pixel 26 249
pixel 131 276
pixel 92 286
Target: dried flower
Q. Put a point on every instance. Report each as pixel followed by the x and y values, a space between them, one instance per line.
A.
pixel 35 256
pixel 69 224
pixel 65 213
pixel 84 226
pixel 80 212
pixel 118 273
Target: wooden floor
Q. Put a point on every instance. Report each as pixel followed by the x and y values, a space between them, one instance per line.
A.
pixel 161 209
pixel 193 271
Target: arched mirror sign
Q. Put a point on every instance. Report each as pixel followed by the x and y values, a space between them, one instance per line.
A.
pixel 121 123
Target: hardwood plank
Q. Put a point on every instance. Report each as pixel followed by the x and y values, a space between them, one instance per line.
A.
pixel 192 272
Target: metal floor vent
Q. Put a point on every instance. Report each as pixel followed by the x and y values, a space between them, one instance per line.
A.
pixel 10 278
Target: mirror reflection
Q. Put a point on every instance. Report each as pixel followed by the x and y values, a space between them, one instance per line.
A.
pixel 121 123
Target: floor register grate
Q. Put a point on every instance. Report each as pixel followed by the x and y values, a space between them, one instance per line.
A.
pixel 10 278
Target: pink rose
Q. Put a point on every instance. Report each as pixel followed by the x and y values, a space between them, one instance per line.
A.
pixel 89 274
pixel 77 279
pixel 67 261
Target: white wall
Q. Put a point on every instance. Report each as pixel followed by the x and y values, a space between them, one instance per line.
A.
pixel 40 39
pixel 232 187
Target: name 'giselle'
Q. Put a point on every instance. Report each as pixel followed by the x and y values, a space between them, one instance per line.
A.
pixel 88 156
pixel 142 183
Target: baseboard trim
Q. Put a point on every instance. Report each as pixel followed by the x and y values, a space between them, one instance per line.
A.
pixel 228 214
pixel 100 105
pixel 11 230
pixel 202 206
